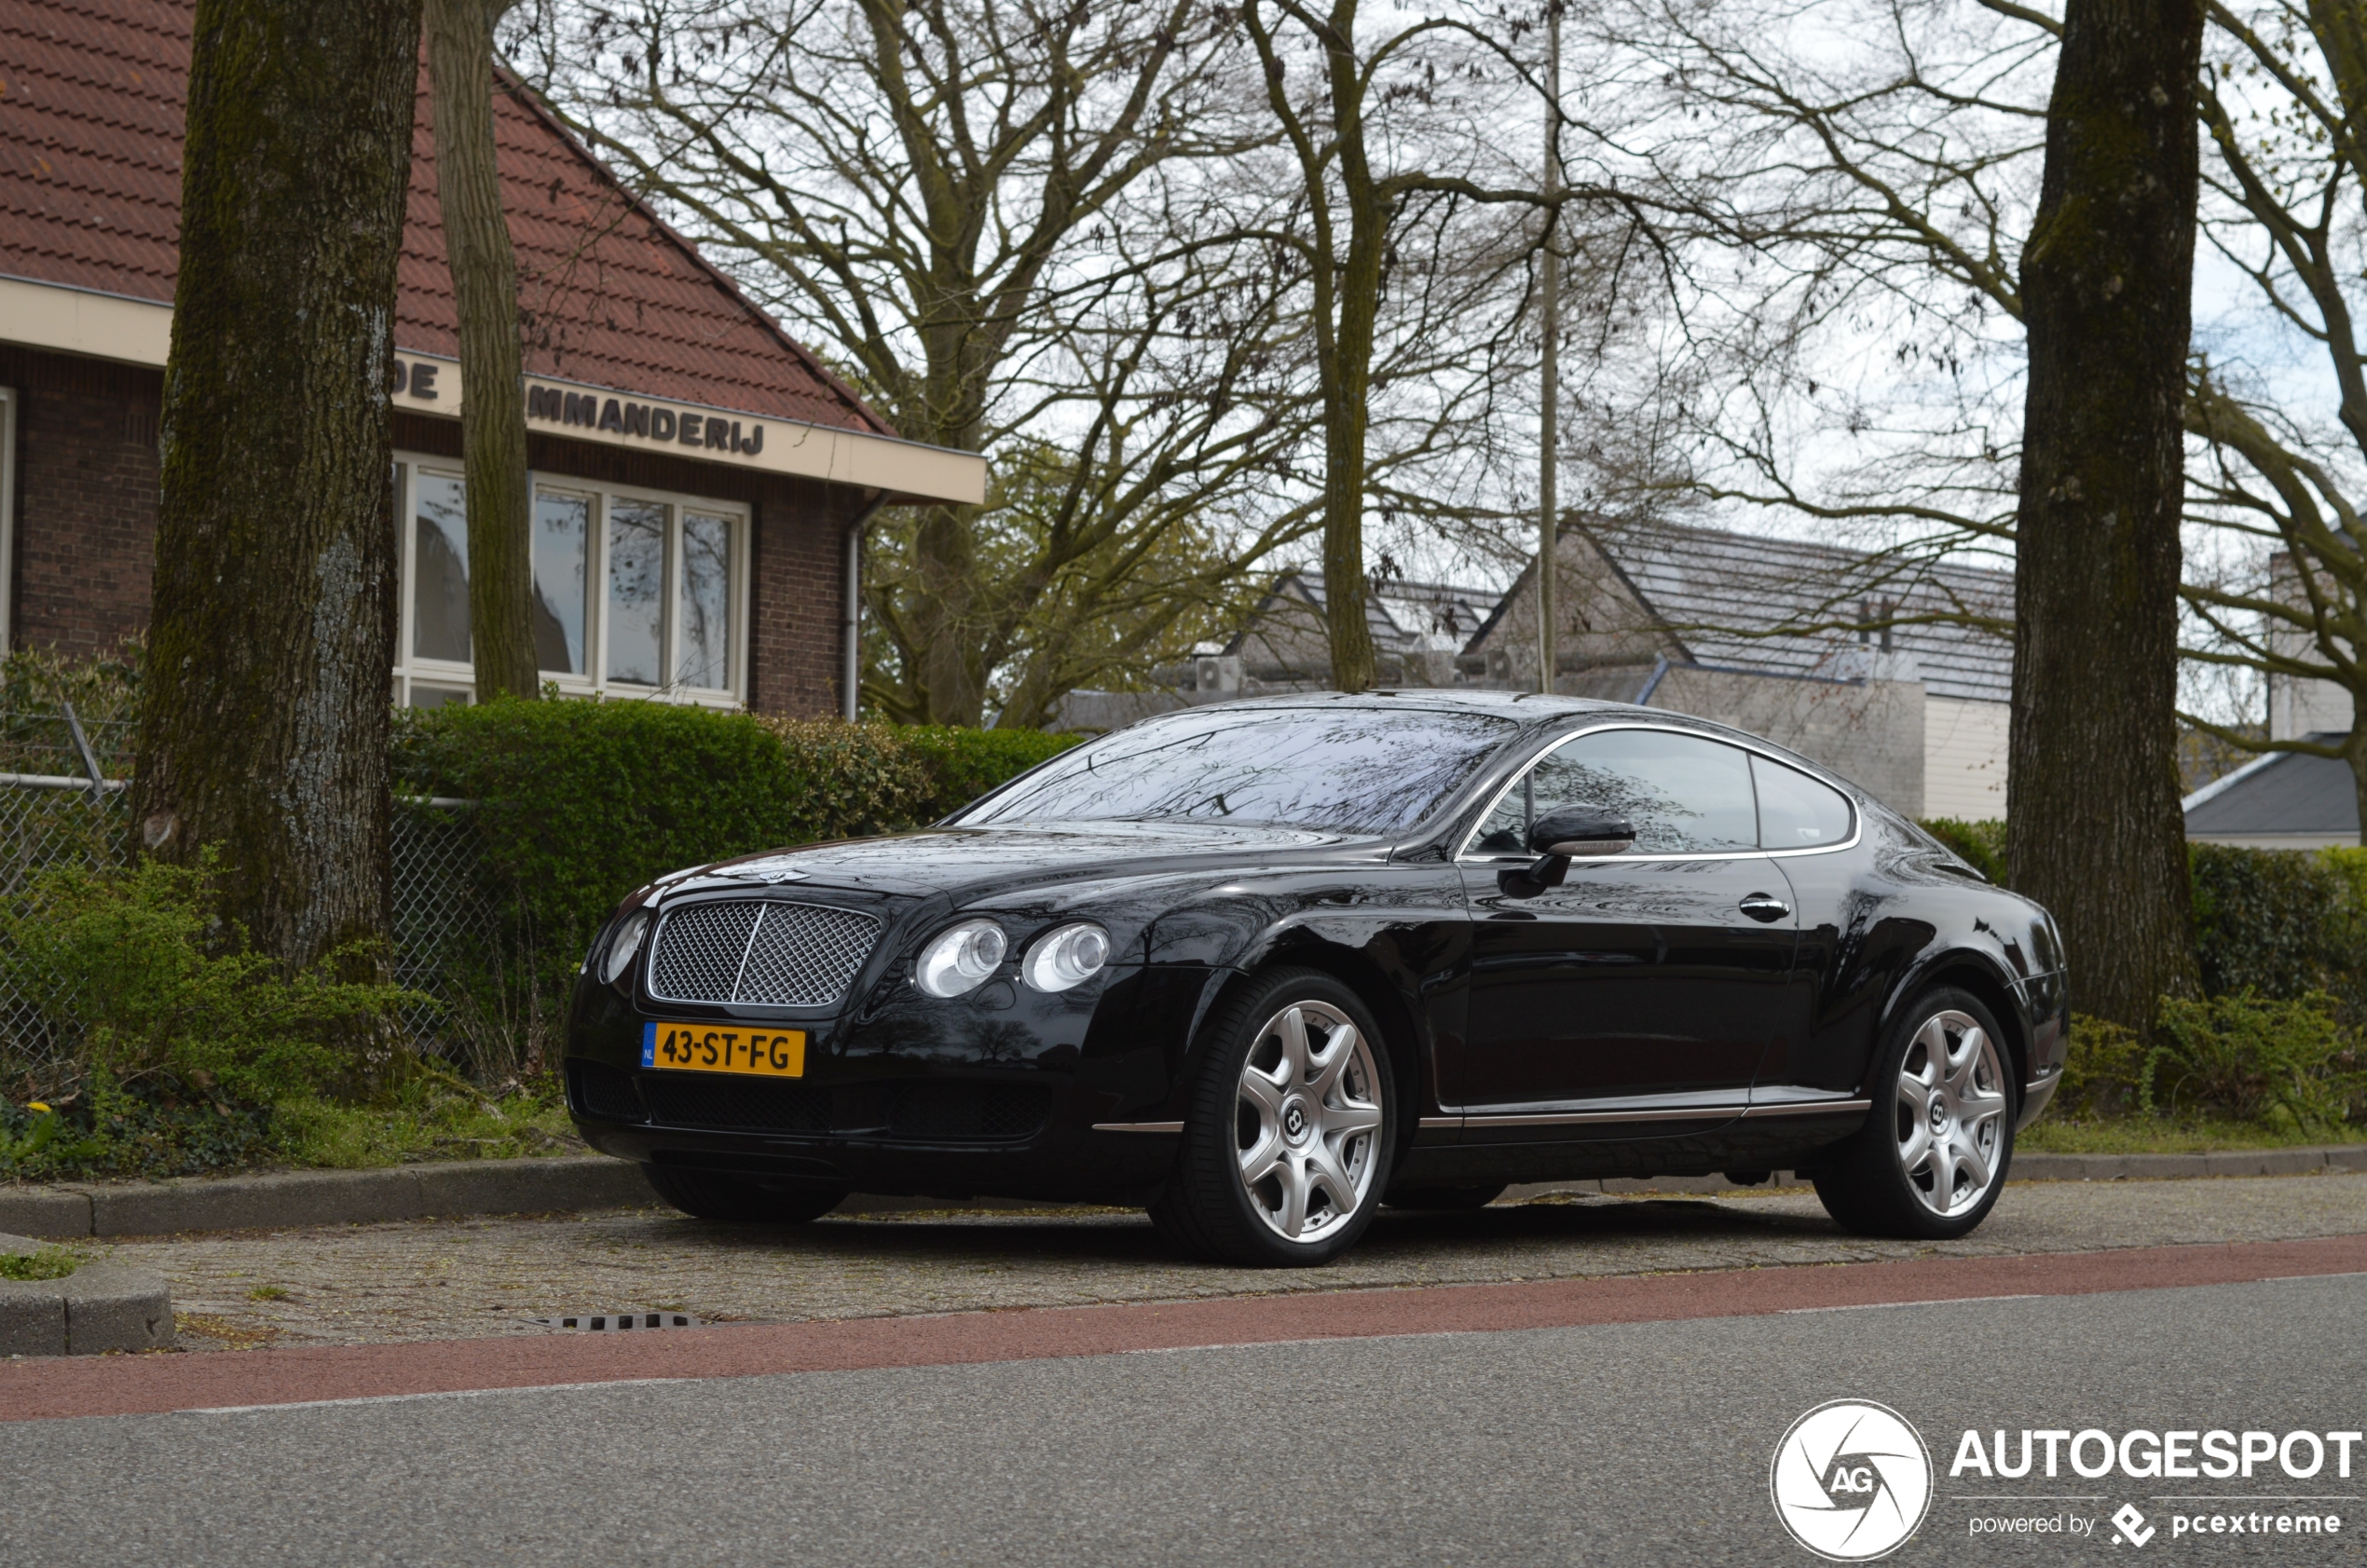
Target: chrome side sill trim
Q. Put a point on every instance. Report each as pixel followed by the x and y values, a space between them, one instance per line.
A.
pixel 1139 1126
pixel 1433 1124
pixel 1808 1107
pixel 1574 1118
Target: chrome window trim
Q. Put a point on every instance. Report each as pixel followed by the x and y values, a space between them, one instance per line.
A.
pixel 1465 856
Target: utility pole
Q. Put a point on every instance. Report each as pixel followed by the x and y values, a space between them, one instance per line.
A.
pixel 1549 392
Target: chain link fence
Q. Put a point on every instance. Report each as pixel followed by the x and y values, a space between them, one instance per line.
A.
pixel 65 801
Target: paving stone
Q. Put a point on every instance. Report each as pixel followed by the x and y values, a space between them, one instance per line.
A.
pixel 530 1186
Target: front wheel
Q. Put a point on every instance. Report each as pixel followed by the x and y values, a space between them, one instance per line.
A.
pixel 1286 1150
pixel 1931 1159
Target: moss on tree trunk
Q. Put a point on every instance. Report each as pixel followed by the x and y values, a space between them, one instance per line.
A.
pixel 263 728
pixel 2095 831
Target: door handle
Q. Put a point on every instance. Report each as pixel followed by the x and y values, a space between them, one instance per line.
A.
pixel 1764 906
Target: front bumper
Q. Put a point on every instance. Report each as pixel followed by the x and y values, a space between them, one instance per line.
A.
pixel 996 1094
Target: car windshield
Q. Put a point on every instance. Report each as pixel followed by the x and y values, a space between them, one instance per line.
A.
pixel 1343 769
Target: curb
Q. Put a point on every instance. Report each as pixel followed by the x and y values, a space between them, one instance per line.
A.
pixel 99 1307
pixel 324 1198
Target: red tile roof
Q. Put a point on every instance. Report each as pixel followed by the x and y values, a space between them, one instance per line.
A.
pixel 92 97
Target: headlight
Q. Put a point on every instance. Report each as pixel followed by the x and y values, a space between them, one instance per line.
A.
pixel 624 945
pixel 960 957
pixel 1069 956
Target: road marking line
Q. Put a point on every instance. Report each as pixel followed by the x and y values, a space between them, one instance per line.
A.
pixel 2281 1278
pixel 437 1394
pixel 1886 1306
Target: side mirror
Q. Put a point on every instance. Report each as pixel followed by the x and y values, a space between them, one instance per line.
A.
pixel 1577 834
pixel 1560 837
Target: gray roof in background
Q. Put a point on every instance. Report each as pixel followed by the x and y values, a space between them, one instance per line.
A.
pixel 2284 792
pixel 1403 617
pixel 1715 588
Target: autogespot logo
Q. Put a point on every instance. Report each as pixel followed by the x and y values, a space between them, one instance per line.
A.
pixel 1851 1480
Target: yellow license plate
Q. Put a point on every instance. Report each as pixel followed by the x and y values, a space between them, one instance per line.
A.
pixel 768 1053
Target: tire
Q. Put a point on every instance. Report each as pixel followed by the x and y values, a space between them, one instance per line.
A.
pixel 1943 1119
pixel 1445 1197
pixel 1290 1127
pixel 706 1195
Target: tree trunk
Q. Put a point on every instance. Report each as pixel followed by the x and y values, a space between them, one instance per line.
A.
pixel 263 725
pixel 2094 828
pixel 485 283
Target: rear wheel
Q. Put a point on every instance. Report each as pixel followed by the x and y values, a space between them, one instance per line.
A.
pixel 1931 1159
pixel 708 1194
pixel 1444 1198
pixel 1286 1150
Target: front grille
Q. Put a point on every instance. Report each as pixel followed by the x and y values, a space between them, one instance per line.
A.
pixel 966 1113
pixel 739 1104
pixel 783 955
pixel 597 1089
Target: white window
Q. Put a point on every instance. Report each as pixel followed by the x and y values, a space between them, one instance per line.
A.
pixel 637 593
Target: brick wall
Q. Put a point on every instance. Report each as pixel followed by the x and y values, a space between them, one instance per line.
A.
pixel 86 501
pixel 85 509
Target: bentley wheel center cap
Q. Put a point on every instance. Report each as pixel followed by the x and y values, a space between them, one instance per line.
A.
pixel 1296 1123
pixel 1939 1114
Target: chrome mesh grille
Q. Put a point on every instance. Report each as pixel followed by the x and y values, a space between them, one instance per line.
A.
pixel 783 955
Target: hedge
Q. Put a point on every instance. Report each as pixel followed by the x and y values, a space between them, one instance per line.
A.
pixel 579 802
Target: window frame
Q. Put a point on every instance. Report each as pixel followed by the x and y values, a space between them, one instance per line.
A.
pixel 1466 854
pixel 412 672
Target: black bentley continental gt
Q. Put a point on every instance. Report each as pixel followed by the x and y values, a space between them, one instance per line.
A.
pixel 1266 965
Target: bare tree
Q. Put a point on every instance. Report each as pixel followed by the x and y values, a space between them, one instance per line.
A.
pixel 263 725
pixel 485 284
pixel 967 203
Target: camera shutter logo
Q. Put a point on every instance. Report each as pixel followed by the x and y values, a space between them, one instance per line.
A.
pixel 1851 1480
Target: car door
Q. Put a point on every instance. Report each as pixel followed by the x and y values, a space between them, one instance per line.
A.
pixel 1647 982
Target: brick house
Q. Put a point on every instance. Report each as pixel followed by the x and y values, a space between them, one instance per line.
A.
pixel 698 476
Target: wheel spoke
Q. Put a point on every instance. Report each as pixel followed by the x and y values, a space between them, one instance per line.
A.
pixel 1325 1168
pixel 1354 1117
pixel 1918 1147
pixel 1915 1096
pixel 1290 1028
pixel 1975 1163
pixel 1943 1175
pixel 1259 1160
pixel 1965 1061
pixel 1933 1038
pixel 1979 1106
pixel 1293 1218
pixel 1263 1093
pixel 1339 1051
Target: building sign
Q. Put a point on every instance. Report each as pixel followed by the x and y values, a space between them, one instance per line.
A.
pixel 652 422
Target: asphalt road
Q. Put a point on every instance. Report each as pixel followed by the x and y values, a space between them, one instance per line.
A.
pixel 1619 1443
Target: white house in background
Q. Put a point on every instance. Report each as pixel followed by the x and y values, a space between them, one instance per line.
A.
pixel 1760 633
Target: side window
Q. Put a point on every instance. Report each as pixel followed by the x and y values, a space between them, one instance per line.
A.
pixel 1685 794
pixel 1794 812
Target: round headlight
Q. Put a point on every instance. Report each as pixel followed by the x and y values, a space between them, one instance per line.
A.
pixel 960 957
pixel 624 945
pixel 1068 956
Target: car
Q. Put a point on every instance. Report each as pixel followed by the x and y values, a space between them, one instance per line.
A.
pixel 1265 966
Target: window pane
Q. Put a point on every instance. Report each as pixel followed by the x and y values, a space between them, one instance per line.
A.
pixel 1794 812
pixel 439 569
pixel 562 531
pixel 1684 793
pixel 1344 770
pixel 706 599
pixel 636 591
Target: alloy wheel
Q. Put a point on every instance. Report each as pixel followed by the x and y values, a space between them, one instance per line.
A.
pixel 1308 1121
pixel 1951 1123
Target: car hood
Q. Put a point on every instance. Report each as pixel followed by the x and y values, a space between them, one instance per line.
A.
pixel 964 863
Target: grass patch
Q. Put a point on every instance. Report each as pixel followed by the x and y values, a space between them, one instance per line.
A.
pixel 267 1293
pixel 49 1262
pixel 438 1118
pixel 2144 1134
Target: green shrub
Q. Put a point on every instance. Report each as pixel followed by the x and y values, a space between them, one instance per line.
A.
pixel 47 1262
pixel 137 967
pixel 578 803
pixel 2101 1072
pixel 1980 845
pixel 2279 1063
pixel 2282 924
pixel 964 764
